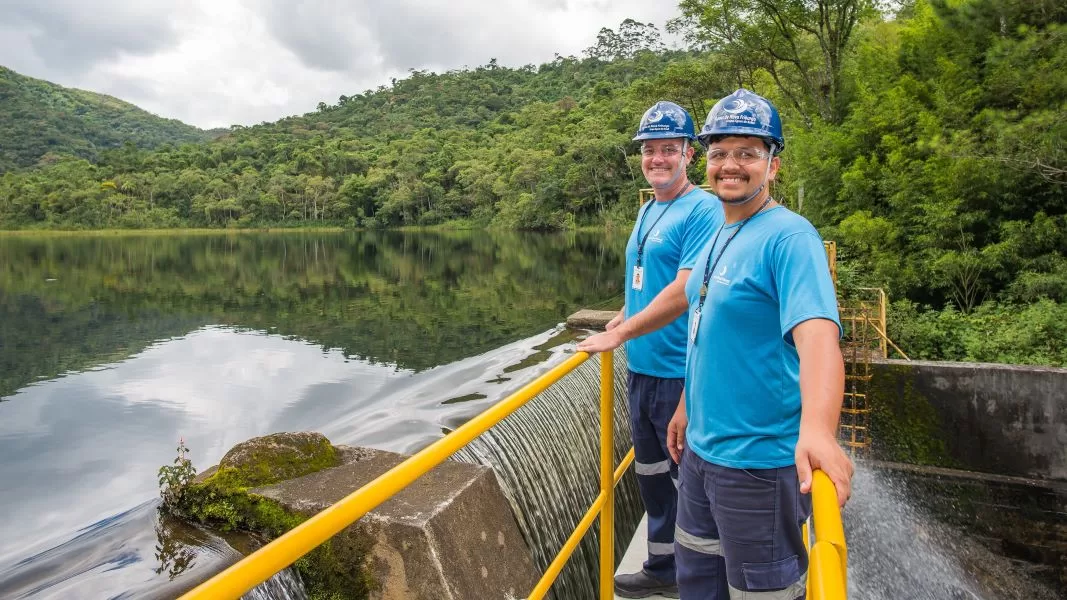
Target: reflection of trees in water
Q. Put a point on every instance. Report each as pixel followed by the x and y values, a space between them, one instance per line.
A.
pixel 414 300
pixel 175 551
pixel 42 339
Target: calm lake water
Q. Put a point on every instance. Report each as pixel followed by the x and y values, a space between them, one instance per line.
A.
pixel 111 348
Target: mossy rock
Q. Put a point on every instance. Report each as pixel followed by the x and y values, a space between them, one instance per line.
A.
pixel 276 457
pixel 222 498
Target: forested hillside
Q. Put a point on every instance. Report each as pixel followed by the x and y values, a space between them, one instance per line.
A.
pixel 926 137
pixel 39 121
pixel 533 147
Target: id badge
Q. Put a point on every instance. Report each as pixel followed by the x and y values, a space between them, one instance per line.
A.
pixel 694 327
pixel 639 278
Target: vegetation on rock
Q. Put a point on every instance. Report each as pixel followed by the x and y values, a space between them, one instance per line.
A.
pixel 224 499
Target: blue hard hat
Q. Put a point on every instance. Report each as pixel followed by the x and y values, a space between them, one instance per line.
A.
pixel 665 120
pixel 744 113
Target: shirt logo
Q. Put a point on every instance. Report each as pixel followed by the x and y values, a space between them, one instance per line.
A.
pixel 655 237
pixel 720 277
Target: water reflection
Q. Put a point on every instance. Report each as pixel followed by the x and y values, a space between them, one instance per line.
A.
pixel 87 445
pixel 412 300
pixel 175 552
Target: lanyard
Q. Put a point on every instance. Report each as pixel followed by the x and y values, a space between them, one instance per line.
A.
pixel 641 223
pixel 709 267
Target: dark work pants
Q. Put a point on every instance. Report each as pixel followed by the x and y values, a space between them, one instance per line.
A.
pixel 739 532
pixel 652 404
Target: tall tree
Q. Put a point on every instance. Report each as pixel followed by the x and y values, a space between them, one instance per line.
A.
pixel 800 43
pixel 631 38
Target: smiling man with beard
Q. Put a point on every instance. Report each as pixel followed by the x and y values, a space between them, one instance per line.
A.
pixel 764 376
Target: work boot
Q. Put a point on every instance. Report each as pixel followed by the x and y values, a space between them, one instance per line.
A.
pixel 643 585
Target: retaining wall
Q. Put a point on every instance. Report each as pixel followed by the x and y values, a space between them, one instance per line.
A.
pixel 992 418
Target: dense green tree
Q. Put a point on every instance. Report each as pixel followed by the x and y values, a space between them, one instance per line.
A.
pixel 631 38
pixel 801 44
pixel 943 164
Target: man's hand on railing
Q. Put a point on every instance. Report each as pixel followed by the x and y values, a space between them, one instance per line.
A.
pixel 601 342
pixel 676 431
pixel 821 451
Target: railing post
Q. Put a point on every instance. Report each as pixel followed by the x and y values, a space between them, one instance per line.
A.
pixel 882 318
pixel 607 470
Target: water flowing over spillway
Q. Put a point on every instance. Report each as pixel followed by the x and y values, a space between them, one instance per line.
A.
pixel 285 585
pixel 897 551
pixel 546 457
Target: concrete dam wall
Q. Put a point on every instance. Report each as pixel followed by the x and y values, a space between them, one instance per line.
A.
pixel 1005 419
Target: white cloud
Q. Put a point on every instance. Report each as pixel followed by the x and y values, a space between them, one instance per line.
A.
pixel 246 61
pixel 69 35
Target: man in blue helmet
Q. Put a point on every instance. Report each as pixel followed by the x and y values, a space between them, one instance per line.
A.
pixel 764 375
pixel 669 233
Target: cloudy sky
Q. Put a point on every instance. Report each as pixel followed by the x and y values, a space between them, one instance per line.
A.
pixel 222 62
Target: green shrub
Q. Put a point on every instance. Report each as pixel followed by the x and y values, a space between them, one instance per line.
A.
pixel 1033 334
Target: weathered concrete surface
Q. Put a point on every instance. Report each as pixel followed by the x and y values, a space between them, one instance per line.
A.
pixel 590 319
pixel 449 535
pixel 994 418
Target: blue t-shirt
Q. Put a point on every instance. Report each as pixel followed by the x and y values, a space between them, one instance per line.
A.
pixel 742 388
pixel 673 243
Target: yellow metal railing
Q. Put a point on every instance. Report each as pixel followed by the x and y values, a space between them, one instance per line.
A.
pixel 826 574
pixel 286 549
pixel 828 554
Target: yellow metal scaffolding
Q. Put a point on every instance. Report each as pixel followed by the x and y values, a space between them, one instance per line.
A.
pixel 859 345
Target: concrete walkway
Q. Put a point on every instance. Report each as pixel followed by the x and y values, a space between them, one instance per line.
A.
pixel 636 553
